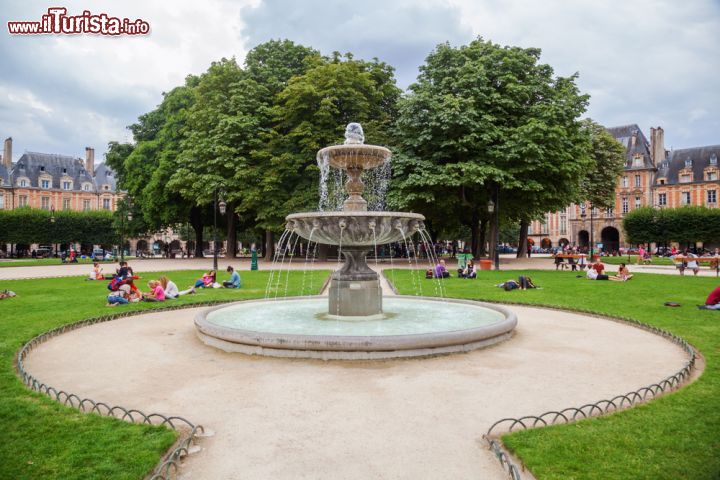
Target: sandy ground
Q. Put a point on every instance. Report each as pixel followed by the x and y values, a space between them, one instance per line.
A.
pixel 393 419
pixel 508 262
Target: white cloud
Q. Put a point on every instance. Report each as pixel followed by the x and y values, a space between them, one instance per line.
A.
pixel 650 62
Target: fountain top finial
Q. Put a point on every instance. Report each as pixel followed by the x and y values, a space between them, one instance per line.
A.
pixel 354 134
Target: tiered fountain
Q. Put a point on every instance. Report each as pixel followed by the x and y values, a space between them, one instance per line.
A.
pixel 354 325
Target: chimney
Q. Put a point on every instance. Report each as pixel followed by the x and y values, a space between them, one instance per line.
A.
pixel 90 160
pixel 633 140
pixel 657 145
pixel 7 153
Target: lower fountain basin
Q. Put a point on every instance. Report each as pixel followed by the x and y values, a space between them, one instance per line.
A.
pixel 302 328
pixel 354 228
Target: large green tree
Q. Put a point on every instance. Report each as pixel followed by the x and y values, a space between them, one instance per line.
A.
pixel 311 113
pixel 146 168
pixel 488 121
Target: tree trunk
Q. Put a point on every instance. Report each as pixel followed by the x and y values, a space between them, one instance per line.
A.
pixel 269 246
pixel 197 224
pixel 475 235
pixel 482 241
pixel 231 232
pixel 522 241
pixel 491 241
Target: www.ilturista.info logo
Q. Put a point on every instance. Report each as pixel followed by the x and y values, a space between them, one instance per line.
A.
pixel 57 21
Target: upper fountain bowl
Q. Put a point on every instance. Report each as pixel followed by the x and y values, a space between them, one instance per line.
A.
pixel 354 156
pixel 355 229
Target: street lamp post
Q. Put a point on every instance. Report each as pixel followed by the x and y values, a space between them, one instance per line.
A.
pixel 494 209
pixel 583 215
pixel 222 206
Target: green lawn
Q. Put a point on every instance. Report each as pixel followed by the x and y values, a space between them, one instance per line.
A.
pixel 674 437
pixel 43 439
pixel 39 262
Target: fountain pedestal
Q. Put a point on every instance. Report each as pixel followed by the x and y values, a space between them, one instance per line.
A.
pixel 355 289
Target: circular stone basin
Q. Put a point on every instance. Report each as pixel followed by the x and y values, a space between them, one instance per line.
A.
pixel 301 327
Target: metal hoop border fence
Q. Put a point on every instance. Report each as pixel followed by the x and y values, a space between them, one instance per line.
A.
pixel 601 407
pixel 170 464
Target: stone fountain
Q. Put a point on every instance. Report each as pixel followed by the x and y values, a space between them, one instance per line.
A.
pixel 352 323
pixel 355 288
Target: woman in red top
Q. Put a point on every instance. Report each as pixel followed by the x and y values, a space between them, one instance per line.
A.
pixel 713 300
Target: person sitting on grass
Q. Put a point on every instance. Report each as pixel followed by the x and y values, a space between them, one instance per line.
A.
pixel 623 274
pixel 171 290
pixel 469 270
pixel 119 297
pixel 599 267
pixel 156 294
pixel 207 280
pixel 234 281
pixel 96 273
pixel 713 300
pixel 441 270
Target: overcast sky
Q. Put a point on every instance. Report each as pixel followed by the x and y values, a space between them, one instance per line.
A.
pixel 650 62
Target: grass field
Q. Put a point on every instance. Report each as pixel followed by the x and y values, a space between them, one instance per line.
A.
pixel 674 437
pixel 43 439
pixel 634 260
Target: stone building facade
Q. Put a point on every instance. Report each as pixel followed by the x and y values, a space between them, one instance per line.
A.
pixel 652 176
pixel 61 182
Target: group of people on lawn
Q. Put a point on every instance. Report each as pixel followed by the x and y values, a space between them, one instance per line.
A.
pixel 123 289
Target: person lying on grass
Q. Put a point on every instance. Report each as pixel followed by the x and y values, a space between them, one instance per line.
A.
pixel 7 294
pixel 713 300
pixel 523 283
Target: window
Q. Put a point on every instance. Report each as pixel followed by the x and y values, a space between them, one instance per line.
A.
pixel 625 207
pixel 106 203
pixel 45 183
pixel 662 199
pixel 67 185
pixel 661 181
pixel 594 212
pixel 66 204
pixel 624 182
pixel 637 160
pixel 685 178
pixel 711 196
pixel 106 187
pixel 711 176
pixel 530 228
pixel 23 183
pixel 637 180
pixel 610 212
pixel 2 201
pixel 638 202
pixel 45 203
pixel 22 201
pixel 86 205
pixel 86 187
pixel 582 209
pixel 685 198
pixel 563 224
pixel 713 159
pixel 688 163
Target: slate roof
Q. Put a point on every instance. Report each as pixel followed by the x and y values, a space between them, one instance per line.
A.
pixel 700 158
pixel 624 135
pixel 4 175
pixel 33 164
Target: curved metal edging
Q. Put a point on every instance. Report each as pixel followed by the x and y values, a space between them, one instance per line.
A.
pixel 170 464
pixel 601 407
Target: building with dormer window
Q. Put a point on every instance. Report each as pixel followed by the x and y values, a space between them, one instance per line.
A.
pixel 652 176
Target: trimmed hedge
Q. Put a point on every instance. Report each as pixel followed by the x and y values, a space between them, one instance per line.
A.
pixel 29 225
